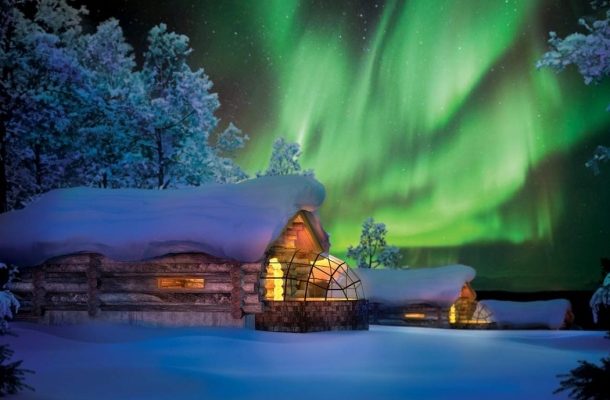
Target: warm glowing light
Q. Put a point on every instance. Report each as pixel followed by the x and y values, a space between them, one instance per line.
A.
pixel 274 271
pixel 181 283
pixel 452 314
pixel 415 315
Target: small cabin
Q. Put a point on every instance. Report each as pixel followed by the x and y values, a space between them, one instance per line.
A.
pixel 252 254
pixel 434 297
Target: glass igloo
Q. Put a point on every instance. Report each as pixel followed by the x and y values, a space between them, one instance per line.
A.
pixel 303 276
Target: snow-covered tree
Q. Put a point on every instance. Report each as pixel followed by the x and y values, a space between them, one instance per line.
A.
pixel 225 168
pixel 179 112
pixel 590 53
pixel 601 298
pixel 372 251
pixel 11 374
pixel 75 111
pixel 8 302
pixel 601 155
pixel 39 75
pixel 285 160
pixel 110 113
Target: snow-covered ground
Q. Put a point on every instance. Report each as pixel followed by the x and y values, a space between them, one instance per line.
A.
pixel 126 362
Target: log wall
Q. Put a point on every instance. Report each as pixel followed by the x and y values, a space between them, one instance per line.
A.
pixel 427 315
pixel 90 286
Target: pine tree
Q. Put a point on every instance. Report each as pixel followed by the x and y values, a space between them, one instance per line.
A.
pixel 589 53
pixel 110 113
pixel 11 374
pixel 179 112
pixel 40 77
pixel 228 142
pixel 372 251
pixel 285 160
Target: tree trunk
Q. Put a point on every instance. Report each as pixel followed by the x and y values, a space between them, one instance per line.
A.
pixel 38 167
pixel 160 171
pixel 3 161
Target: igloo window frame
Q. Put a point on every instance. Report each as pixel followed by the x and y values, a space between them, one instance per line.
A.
pixel 335 279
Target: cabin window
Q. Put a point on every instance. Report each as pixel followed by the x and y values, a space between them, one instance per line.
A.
pixel 180 283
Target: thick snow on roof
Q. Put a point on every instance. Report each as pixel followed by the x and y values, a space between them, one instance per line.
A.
pixel 439 285
pixel 233 221
pixel 524 314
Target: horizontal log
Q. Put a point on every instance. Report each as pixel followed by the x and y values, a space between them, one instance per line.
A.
pixel 68 267
pixel 251 299
pixel 248 287
pixel 144 267
pixel 253 308
pixel 166 307
pixel 65 307
pixel 162 298
pixel 65 277
pixel 251 267
pixel 66 298
pixel 139 276
pixel 150 285
pixel 250 278
pixel 21 286
pixel 65 287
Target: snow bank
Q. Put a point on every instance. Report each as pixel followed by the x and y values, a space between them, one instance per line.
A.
pixel 440 285
pixel 97 361
pixel 233 221
pixel 527 314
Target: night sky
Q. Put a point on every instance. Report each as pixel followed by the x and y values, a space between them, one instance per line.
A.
pixel 429 116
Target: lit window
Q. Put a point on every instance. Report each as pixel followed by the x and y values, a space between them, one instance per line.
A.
pixel 180 283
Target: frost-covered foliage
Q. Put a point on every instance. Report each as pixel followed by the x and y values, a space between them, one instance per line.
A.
pixel 588 381
pixel 590 53
pixel 8 302
pixel 228 142
pixel 76 111
pixel 110 115
pixel 179 113
pixel 285 160
pixel 601 298
pixel 602 154
pixel 373 251
pixel 11 375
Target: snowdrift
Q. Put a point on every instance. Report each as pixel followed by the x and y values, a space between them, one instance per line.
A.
pixel 233 221
pixel 440 285
pixel 528 314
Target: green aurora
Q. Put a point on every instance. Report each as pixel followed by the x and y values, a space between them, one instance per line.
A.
pixel 432 118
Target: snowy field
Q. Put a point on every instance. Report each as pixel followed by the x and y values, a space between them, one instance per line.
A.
pixel 125 362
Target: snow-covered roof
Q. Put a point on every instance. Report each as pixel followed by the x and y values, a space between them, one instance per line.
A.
pixel 232 221
pixel 439 285
pixel 524 314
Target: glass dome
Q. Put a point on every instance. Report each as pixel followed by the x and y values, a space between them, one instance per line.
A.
pixel 303 276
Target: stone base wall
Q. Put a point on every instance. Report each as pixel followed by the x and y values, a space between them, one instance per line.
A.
pixel 313 316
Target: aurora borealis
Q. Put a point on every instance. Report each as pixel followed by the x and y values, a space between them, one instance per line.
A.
pixel 428 116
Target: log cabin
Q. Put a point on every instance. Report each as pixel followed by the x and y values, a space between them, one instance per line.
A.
pixel 440 297
pixel 252 254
